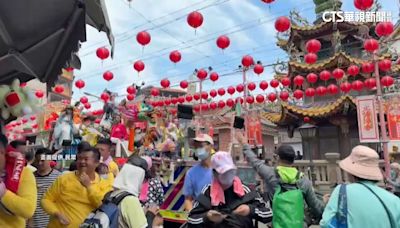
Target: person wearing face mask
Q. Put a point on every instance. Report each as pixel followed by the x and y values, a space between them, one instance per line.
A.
pixel 226 202
pixel 199 175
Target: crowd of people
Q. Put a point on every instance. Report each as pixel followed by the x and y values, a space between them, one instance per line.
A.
pixel 96 192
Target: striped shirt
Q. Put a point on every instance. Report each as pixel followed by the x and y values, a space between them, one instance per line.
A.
pixel 41 218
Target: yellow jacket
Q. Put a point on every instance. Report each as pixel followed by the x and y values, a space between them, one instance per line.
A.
pixel 113 168
pixel 22 205
pixel 69 197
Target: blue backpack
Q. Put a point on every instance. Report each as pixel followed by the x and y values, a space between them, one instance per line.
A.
pixel 106 216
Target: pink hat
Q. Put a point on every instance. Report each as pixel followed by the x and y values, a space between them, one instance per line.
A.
pixel 363 162
pixel 149 161
pixel 222 162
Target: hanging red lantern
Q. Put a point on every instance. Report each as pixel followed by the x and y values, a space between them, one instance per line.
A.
pixel 143 38
pixel 59 89
pixel 32 118
pixel 353 70
pixel 108 76
pixel 189 98
pixel 367 68
pixel 250 99
pixel 24 121
pixel 39 94
pixel 284 95
pixel 260 98
pixel 298 94
pixel 310 58
pixel 312 78
pixel 181 100
pixel 271 97
pixel 167 102
pixel 258 69
pixel 105 96
pixel 385 65
pixel 160 103
pixel 197 96
pixel 154 92
pixel 195 19
pixel 221 104
pixel 213 105
pixel 196 108
pixel 274 83
pixel 313 46
pixel 268 1
pixel 306 119
pixel 384 28
pixel 87 106
pixel 240 88
pixel 263 85
pixel 310 92
pixel 363 4
pixel 282 24
pixel 325 75
pixel 387 81
pixel 357 85
pixel 184 84
pixel 131 90
pixel 84 100
pixel 247 61
pixel 231 90
pixel 370 83
pixel 80 84
pixel 214 76
pixel 285 81
pixel 251 86
pixel 139 66
pixel 204 95
pixel 221 91
pixel 338 73
pixel 174 100
pixel 333 89
pixel 202 74
pixel 345 87
pixel 175 56
pixel 298 80
pixel 371 45
pixel 223 42
pixel 230 103
pixel 102 53
pixel 239 100
pixel 213 93
pixel 130 97
pixel 321 91
pixel 165 83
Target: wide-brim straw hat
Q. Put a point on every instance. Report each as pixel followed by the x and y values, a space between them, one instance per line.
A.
pixel 363 162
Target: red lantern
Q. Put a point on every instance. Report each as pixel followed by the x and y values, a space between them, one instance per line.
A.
pixel 274 83
pixel 385 65
pixel 285 81
pixel 213 105
pixel 35 126
pixel 333 89
pixel 204 95
pixel 230 102
pixel 33 118
pixel 221 104
pixel 260 98
pixel 105 96
pixel 268 1
pixel 175 56
pixel 102 53
pixel 131 90
pixel 195 19
pixel 250 99
pixel 161 103
pixel 321 91
pixel 154 92
pixel 367 68
pixel 214 76
pixel 197 96
pixel 353 70
pixel 370 83
pixel 357 85
pixel 174 100
pixel 165 83
pixel 202 74
pixel 310 92
pixel 84 100
pixel 312 78
pixel 363 4
pixel 345 87
pixel 39 94
pixel 139 66
pixel 313 46
pixel 338 73
pixel 310 58
pixel 384 28
pixel 213 93
pixel 263 85
pixel 80 84
pixel 271 97
pixel 59 89
pixel 196 108
pixel 221 91
pixel 298 80
pixel 251 86
pixel 325 75
pixel 284 95
pixel 130 97
pixel 306 119
pixel 167 102
pixel 240 88
pixel 87 105
pixel 239 100
pixel 108 76
pixel 387 81
pixel 371 45
pixel 247 61
pixel 184 84
pixel 231 90
pixel 258 69
pixel 143 38
pixel 24 121
pixel 223 42
pixel 189 98
pixel 298 94
pixel 282 24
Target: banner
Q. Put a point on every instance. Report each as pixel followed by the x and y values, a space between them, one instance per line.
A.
pixel 393 116
pixel 367 119
pixel 254 131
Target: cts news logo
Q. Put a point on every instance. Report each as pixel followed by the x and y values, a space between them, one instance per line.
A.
pixel 362 16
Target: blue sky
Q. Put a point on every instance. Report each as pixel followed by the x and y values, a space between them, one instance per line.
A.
pixel 248 23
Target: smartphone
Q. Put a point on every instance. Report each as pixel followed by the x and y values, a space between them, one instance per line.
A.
pixel 238 122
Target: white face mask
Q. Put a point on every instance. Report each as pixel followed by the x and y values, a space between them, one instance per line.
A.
pixel 226 179
pixel 202 153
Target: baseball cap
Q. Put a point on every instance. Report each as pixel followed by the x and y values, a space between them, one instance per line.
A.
pixel 222 162
pixel 204 138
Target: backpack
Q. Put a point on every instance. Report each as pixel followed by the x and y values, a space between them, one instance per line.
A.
pixel 288 205
pixel 106 216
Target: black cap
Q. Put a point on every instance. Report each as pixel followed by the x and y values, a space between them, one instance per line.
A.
pixel 286 153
